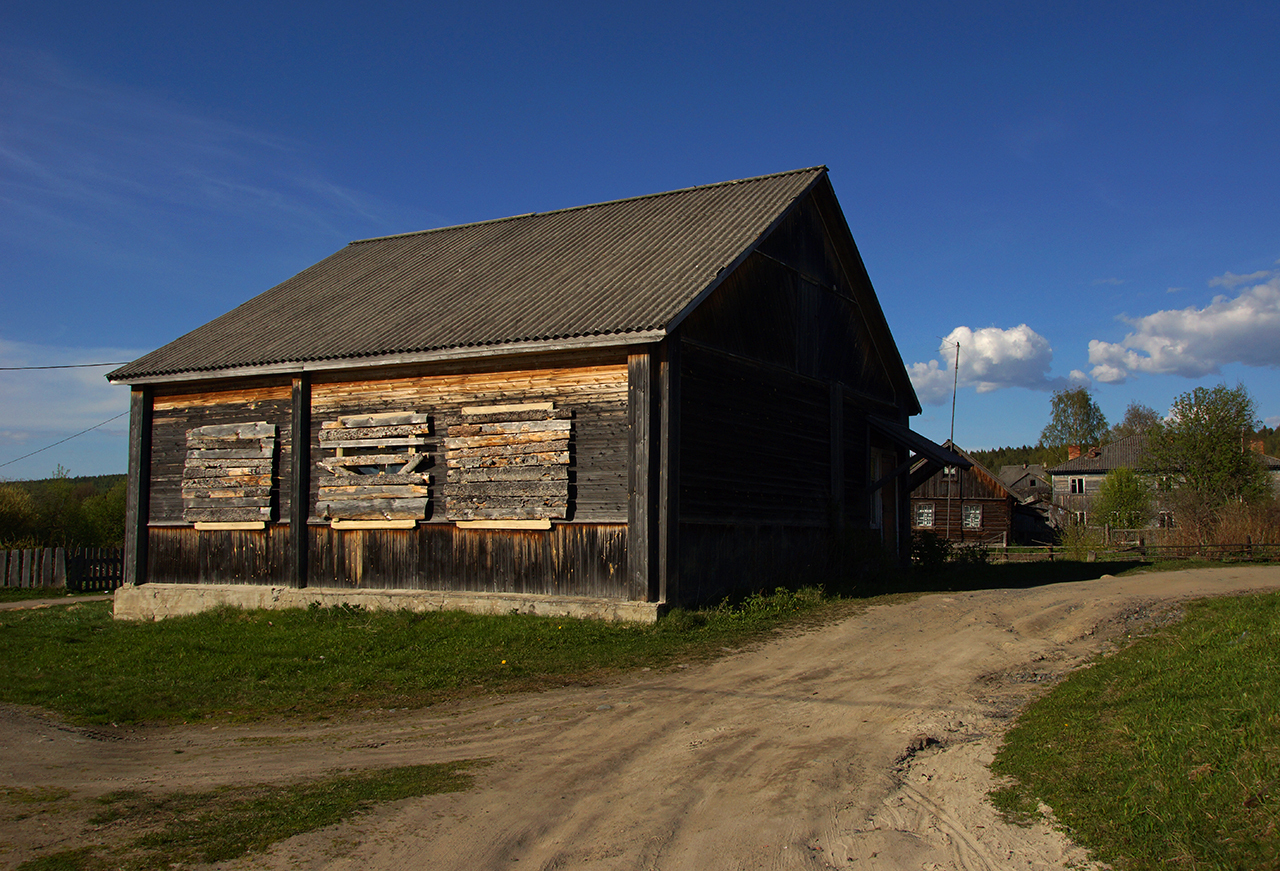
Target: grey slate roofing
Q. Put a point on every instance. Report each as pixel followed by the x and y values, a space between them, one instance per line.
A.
pixel 610 273
pixel 1130 452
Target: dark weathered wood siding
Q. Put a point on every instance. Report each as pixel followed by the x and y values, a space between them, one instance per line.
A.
pixel 183 555
pixel 777 374
pixel 577 559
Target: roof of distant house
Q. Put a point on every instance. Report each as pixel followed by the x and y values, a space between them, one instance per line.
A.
pixel 1129 452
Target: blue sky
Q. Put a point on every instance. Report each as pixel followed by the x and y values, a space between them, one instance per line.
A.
pixel 1077 192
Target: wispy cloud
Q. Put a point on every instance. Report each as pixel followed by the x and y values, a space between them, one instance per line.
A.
pixel 1114 282
pixel 990 359
pixel 40 404
pixel 1230 279
pixel 85 164
pixel 1194 342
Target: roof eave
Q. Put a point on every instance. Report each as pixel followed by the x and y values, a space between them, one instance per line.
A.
pixel 613 340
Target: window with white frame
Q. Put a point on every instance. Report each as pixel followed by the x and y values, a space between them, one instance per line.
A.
pixel 971 516
pixel 924 514
pixel 1077 485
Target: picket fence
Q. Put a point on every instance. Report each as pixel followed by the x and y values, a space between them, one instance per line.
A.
pixel 78 569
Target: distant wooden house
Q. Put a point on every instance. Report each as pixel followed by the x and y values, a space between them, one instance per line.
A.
pixel 1078 481
pixel 659 400
pixel 1034 517
pixel 969 505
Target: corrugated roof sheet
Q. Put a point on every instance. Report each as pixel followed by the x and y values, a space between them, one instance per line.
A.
pixel 628 266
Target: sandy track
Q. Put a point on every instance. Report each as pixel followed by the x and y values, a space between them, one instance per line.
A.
pixel 859 745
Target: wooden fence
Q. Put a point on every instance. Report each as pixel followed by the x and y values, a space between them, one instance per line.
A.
pixel 79 569
pixel 1246 552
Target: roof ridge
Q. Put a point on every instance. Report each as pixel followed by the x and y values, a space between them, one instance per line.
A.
pixel 818 168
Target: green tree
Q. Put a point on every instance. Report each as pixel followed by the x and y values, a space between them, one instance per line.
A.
pixel 1074 419
pixel 104 517
pixel 1124 500
pixel 17 516
pixel 1139 419
pixel 1202 449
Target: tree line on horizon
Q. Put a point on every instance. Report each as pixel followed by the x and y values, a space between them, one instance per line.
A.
pixel 62 511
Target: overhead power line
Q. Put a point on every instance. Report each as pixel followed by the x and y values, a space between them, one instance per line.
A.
pixel 67 439
pixel 63 366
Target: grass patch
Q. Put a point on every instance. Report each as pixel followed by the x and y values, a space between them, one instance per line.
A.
pixel 144 831
pixel 239 665
pixel 1166 753
pixel 22 594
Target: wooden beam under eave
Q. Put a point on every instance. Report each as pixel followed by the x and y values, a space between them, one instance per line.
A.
pixel 300 481
pixel 138 494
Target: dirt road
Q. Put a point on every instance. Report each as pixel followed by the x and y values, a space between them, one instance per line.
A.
pixel 860 745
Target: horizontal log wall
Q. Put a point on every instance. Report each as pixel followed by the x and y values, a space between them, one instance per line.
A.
pixel 176 413
pixel 593 398
pixel 948 518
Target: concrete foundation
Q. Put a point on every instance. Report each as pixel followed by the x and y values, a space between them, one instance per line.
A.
pixel 157 601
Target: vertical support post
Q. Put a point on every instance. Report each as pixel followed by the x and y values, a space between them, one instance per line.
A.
pixel 138 495
pixel 667 585
pixel 639 456
pixel 300 481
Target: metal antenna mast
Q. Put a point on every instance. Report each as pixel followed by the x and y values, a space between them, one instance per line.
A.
pixel 955 472
pixel 954 384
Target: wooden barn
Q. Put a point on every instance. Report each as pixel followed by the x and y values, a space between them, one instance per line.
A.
pixel 603 409
pixel 969 505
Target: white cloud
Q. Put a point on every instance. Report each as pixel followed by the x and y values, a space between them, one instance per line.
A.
pixel 1114 282
pixel 931 381
pixel 990 359
pixel 1273 422
pixel 1194 342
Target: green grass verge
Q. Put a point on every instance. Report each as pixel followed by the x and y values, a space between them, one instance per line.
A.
pixel 22 594
pixel 1166 753
pixel 140 831
pixel 241 665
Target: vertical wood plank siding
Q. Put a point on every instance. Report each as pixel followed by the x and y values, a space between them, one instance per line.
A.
pixel 181 555
pixel 174 414
pixel 578 559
